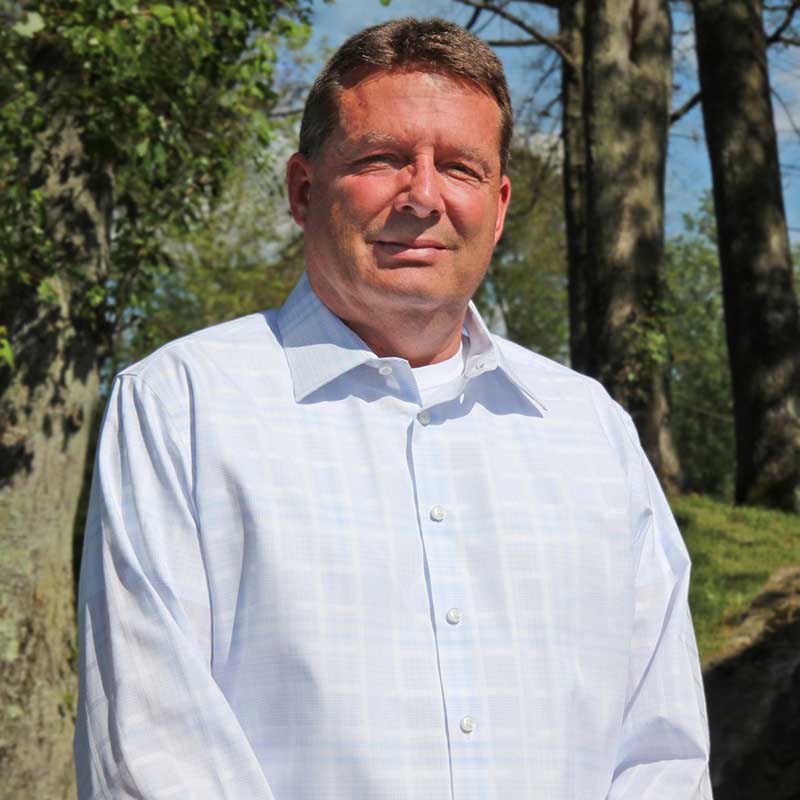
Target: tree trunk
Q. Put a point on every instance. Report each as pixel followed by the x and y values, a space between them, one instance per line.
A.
pixel 47 402
pixel 628 77
pixel 571 20
pixel 761 309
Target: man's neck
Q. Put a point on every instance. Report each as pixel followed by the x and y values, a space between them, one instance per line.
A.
pixel 422 334
pixel 423 341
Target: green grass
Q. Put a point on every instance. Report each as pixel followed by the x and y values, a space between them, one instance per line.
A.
pixel 734 550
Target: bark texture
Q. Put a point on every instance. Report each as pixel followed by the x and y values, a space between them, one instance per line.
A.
pixel 626 106
pixel 761 309
pixel 571 17
pixel 47 403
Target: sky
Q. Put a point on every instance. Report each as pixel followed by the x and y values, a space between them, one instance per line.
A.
pixel 688 171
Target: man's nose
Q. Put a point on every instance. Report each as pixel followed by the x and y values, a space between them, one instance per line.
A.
pixel 421 192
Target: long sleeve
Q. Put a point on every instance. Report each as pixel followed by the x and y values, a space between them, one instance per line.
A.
pixel 152 722
pixel 664 747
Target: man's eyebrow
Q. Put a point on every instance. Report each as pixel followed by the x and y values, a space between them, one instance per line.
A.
pixel 366 141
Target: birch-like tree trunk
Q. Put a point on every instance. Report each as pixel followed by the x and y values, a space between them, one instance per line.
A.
pixel 627 91
pixel 761 307
pixel 47 403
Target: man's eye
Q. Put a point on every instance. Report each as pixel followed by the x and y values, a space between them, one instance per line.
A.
pixel 462 169
pixel 378 158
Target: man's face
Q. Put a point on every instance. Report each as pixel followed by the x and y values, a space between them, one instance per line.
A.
pixel 403 205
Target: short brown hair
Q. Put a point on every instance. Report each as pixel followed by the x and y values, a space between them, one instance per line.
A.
pixel 433 45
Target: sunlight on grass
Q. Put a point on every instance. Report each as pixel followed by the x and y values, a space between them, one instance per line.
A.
pixel 734 551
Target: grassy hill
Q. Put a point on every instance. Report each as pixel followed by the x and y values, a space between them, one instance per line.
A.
pixel 734 550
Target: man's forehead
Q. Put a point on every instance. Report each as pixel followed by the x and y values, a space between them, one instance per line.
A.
pixel 363 85
pixel 358 128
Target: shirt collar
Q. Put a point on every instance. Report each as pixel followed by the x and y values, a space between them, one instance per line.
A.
pixel 319 347
pixel 485 355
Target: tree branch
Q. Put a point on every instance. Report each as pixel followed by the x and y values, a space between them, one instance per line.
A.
pixel 548 3
pixel 791 10
pixel 512 42
pixel 683 110
pixel 473 19
pixel 548 41
pixel 786 110
pixel 288 112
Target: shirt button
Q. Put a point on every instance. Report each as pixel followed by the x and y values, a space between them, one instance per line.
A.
pixel 385 370
pixel 454 616
pixel 467 724
pixel 424 416
pixel 437 513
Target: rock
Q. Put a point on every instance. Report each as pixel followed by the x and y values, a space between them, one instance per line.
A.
pixel 753 697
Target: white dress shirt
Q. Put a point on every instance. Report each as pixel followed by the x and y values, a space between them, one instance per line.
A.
pixel 301 583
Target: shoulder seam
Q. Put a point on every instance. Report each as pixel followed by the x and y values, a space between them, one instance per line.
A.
pixel 167 416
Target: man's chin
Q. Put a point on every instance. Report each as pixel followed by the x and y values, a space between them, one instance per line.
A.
pixel 416 286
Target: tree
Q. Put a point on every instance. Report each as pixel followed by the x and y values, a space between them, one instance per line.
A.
pixel 526 283
pixel 628 76
pixel 761 308
pixel 616 91
pixel 117 121
pixel 702 412
pixel 571 20
pixel 246 257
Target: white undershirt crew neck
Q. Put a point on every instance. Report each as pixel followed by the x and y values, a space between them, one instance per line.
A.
pixel 433 376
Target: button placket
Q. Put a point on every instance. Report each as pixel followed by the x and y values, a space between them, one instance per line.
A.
pixel 440 517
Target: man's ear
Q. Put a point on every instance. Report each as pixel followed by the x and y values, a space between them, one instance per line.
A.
pixel 503 198
pixel 298 183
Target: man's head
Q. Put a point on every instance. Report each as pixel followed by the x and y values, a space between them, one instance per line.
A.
pixel 399 183
pixel 431 45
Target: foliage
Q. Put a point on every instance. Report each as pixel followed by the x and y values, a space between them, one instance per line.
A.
pixel 161 94
pixel 525 289
pixel 734 551
pixel 702 413
pixel 6 353
pixel 246 257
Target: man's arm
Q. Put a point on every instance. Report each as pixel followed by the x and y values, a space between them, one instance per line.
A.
pixel 152 722
pixel 664 747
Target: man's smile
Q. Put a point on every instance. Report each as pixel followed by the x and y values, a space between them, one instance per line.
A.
pixel 415 244
pixel 410 251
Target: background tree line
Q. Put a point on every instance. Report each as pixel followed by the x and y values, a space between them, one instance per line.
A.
pixel 616 80
pixel 121 123
pixel 140 198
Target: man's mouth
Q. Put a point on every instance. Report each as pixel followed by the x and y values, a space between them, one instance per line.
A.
pixel 415 244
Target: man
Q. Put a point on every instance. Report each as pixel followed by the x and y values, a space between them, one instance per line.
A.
pixel 360 547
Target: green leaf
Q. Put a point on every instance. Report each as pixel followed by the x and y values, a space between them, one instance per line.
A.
pixel 164 14
pixel 95 296
pixel 6 353
pixel 159 154
pixel 46 292
pixel 31 25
